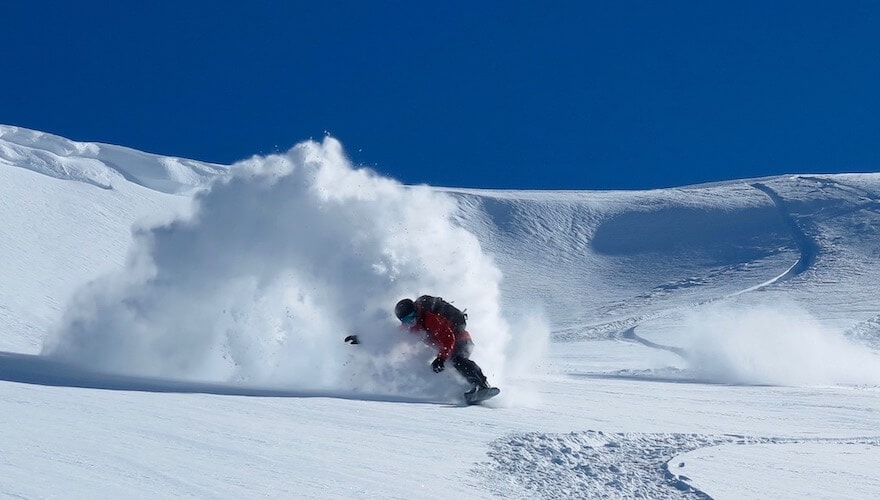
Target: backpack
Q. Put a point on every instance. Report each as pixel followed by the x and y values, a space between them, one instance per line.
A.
pixel 439 306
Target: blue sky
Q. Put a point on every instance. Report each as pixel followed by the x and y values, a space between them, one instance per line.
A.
pixel 525 95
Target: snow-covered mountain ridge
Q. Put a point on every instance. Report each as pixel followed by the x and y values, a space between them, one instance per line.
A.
pixel 100 164
pixel 174 328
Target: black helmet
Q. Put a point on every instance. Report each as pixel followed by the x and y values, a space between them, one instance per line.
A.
pixel 404 308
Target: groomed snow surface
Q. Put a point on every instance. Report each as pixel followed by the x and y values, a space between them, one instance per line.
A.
pixel 171 328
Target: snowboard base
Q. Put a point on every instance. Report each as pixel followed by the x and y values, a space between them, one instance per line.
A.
pixel 479 395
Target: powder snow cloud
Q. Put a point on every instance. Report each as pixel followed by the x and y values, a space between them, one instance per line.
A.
pixel 281 259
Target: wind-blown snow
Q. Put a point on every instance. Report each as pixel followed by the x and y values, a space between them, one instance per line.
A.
pixel 174 328
pixel 779 344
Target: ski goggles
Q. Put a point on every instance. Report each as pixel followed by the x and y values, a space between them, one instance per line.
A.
pixel 409 319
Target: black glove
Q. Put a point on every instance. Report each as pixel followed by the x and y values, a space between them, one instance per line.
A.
pixel 437 365
pixel 352 339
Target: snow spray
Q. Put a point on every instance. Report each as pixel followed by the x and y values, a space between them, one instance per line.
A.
pixel 776 345
pixel 281 259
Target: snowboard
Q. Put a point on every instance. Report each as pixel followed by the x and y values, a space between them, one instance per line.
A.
pixel 475 397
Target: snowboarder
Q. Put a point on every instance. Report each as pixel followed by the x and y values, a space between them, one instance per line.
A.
pixel 444 328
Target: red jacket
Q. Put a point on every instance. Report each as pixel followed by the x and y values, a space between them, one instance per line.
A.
pixel 439 332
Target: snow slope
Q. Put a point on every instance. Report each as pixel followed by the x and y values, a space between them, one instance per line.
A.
pixel 173 328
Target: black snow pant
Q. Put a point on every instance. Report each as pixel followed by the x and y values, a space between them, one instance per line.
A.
pixel 467 368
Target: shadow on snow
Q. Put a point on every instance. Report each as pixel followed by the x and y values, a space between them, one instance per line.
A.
pixel 649 376
pixel 47 371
